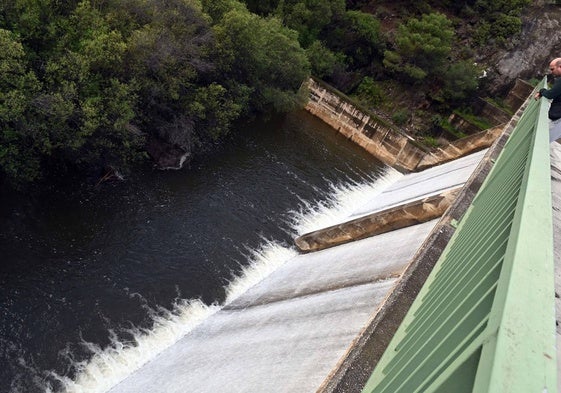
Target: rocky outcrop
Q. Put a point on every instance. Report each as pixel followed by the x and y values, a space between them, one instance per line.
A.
pixel 528 55
pixel 166 155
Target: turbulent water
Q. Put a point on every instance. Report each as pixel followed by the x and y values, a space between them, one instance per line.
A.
pixel 95 282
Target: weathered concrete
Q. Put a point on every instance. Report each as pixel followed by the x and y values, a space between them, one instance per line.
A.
pixel 377 223
pixel 418 185
pixel 555 156
pixel 384 140
pixel 376 136
pixel 452 151
pixel 518 94
pixel 417 197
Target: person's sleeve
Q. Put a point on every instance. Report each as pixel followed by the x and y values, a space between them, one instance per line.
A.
pixel 555 91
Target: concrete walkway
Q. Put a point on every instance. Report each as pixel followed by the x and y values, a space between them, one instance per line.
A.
pixel 555 155
pixel 290 332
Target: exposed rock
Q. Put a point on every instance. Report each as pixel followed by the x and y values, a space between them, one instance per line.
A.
pixel 530 53
pixel 166 155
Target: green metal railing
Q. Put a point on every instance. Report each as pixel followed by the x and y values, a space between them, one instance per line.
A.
pixel 485 319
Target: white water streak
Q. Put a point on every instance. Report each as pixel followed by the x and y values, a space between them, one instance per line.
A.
pixel 263 262
pixel 107 367
pixel 343 200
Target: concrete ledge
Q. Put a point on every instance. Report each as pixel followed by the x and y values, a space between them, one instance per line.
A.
pixel 397 217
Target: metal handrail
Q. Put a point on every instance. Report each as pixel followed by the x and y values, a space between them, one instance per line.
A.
pixel 485 319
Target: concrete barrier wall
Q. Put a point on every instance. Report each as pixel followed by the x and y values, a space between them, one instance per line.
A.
pixel 382 139
pixel 459 148
pixel 518 94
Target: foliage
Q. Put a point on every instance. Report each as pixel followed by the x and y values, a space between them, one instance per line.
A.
pixel 19 142
pixel 460 82
pixel 85 83
pixel 500 29
pixel 400 116
pixel 309 17
pixel 358 36
pixel 322 60
pixel 495 21
pixel 478 121
pixel 369 92
pixel 445 124
pixel 430 141
pixel 265 57
pixel 422 47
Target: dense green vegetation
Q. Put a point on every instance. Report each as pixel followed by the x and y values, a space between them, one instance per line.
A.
pixel 86 84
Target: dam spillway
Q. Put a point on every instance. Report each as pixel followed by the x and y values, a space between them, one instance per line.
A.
pixel 290 331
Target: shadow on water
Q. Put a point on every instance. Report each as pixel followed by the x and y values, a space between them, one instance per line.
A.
pixel 82 265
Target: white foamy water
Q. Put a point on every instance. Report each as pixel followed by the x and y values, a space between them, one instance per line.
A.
pixel 109 366
pixel 343 200
pixel 263 262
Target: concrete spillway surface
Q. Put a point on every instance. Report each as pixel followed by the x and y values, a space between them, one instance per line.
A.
pixel 420 185
pixel 288 332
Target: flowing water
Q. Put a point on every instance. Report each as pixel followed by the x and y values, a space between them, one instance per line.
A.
pixel 93 282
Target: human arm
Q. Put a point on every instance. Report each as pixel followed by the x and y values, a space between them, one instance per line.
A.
pixel 552 93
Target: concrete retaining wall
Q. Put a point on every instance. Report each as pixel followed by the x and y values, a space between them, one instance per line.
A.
pixel 383 141
pixel 386 142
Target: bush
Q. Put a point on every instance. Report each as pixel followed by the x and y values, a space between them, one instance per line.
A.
pixel 400 117
pixel 369 92
pixel 430 141
pixel 460 82
pixel 322 60
pixel 422 47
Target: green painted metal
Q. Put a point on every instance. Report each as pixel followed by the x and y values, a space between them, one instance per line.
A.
pixel 485 319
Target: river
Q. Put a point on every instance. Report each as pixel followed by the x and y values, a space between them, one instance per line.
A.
pixel 86 269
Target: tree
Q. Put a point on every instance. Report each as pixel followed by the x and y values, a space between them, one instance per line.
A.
pixel 217 8
pixel 20 142
pixel 165 59
pixel 262 7
pixel 263 56
pixel 83 82
pixel 459 82
pixel 422 47
pixel 322 60
pixel 309 17
pixel 358 36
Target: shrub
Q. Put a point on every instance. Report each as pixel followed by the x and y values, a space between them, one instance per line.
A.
pixel 369 92
pixel 400 117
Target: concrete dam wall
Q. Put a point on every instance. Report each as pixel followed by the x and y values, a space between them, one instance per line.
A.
pixel 389 144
